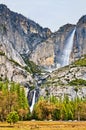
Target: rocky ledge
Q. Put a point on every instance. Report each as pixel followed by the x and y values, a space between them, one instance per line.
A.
pixel 70 81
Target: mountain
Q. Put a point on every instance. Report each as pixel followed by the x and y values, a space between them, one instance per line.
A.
pixel 28 39
pixel 55 45
pixel 25 47
pixel 52 48
pixel 20 33
pixel 19 36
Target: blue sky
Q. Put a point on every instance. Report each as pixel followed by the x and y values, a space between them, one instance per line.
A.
pixel 49 13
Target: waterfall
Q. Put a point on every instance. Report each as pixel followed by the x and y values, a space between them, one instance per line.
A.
pixel 33 101
pixel 67 50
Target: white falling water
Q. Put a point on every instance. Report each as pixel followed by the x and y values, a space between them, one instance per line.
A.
pixel 68 49
pixel 33 101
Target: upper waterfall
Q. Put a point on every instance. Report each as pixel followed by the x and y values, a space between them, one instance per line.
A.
pixel 67 49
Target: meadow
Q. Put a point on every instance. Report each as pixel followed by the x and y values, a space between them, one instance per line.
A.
pixel 45 125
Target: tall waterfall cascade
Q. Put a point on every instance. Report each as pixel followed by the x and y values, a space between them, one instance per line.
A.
pixel 33 101
pixel 65 55
pixel 67 49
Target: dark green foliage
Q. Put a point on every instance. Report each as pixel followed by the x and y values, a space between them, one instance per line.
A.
pixel 12 98
pixel 32 87
pixel 80 62
pixel 0 78
pixel 78 82
pixel 1 84
pixel 27 68
pixel 60 109
pixel 67 110
pixel 56 114
pixel 32 67
pixel 2 53
pixel 3 29
pixel 12 117
pixel 76 89
pixel 24 99
pixel 19 90
pixel 16 63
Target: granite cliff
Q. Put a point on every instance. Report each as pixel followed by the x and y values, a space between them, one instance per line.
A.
pixel 22 42
pixel 52 48
pixel 67 81
pixel 22 34
pixel 79 46
pixel 56 43
pixel 28 39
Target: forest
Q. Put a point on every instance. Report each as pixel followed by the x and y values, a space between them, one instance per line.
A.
pixel 14 104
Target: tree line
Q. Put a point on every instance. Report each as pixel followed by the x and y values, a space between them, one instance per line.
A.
pixel 14 106
pixel 13 100
pixel 60 109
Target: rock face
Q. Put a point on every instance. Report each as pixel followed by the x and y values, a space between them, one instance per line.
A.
pixel 43 55
pixel 13 72
pixel 58 41
pixel 49 52
pixel 9 51
pixel 79 46
pixel 58 83
pixel 27 38
pixel 23 38
pixel 24 34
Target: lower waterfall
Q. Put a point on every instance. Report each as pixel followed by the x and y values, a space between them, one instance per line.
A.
pixel 33 101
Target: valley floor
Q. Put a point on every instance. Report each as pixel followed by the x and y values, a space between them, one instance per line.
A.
pixel 45 125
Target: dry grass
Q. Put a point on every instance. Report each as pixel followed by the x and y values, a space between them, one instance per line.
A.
pixel 44 125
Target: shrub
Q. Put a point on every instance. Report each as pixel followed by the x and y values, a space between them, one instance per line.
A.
pixel 2 53
pixel 32 67
pixel 12 117
pixel 78 82
pixel 81 62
